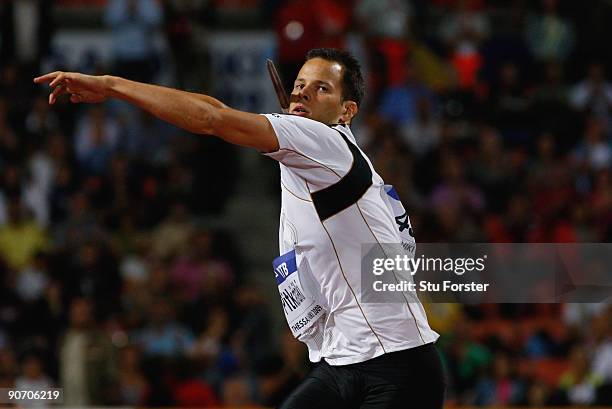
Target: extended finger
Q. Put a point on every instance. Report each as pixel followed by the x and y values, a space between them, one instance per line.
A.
pixel 61 77
pixel 47 77
pixel 57 91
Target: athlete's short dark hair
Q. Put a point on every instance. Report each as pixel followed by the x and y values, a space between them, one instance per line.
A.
pixel 353 86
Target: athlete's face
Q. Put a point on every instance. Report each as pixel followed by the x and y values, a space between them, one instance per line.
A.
pixel 317 93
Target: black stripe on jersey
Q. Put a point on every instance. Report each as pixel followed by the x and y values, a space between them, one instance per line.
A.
pixel 346 192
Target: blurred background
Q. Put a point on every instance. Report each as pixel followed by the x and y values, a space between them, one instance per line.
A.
pixel 136 259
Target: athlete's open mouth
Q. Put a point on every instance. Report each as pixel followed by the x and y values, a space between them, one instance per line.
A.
pixel 299 110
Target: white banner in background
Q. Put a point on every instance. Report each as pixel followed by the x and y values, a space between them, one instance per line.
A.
pixel 239 76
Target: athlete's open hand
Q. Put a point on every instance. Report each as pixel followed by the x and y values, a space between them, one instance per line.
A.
pixel 80 87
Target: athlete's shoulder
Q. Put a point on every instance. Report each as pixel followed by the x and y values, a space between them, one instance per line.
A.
pixel 345 131
pixel 298 121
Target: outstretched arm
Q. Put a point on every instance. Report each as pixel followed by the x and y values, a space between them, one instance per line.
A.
pixel 195 113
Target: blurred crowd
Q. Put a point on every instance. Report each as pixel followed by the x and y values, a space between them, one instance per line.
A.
pixel 493 119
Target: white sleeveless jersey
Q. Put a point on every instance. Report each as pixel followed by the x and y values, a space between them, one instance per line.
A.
pixel 331 205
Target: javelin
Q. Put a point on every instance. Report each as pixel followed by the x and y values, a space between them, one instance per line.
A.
pixel 278 86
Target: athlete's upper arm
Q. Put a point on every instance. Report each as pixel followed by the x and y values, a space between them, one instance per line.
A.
pixel 311 149
pixel 245 129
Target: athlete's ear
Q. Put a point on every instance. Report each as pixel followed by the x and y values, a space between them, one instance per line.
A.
pixel 350 109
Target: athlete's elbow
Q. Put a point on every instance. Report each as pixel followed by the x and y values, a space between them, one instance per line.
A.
pixel 210 122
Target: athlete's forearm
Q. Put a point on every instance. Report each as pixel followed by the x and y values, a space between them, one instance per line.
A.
pixel 193 112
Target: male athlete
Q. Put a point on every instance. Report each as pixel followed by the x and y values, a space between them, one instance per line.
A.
pixel 369 355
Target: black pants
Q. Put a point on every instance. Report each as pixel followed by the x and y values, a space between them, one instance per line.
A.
pixel 412 378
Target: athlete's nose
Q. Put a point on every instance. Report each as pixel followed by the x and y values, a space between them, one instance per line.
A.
pixel 304 94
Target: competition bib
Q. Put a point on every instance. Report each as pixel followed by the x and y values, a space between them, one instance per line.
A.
pixel 401 219
pixel 301 310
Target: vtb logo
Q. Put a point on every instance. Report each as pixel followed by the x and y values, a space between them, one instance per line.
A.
pixel 282 271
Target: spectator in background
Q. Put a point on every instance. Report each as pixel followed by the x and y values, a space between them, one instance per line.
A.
pixel 134 264
pixel 514 225
pixel 10 148
pixel 456 203
pixel 551 209
pixel 509 105
pixel 465 357
pixel 164 336
pixel 41 169
pixel 36 196
pixel 393 160
pixel 40 311
pixel 96 139
pixel 14 89
pixel 594 152
pixel 136 273
pixel 170 236
pixel 33 378
pixel 593 95
pixel 423 135
pixel 80 225
pixel 11 183
pixel 186 33
pixel 134 24
pixel 64 186
pixel 33 281
pixel 29 30
pixel 159 283
pixel 249 317
pixel 463 30
pixel 600 200
pixel 387 28
pixel 144 137
pixel 209 343
pixel 582 219
pixel 8 368
pixel 200 273
pixel 238 391
pixel 114 193
pixel 48 166
pixel 601 362
pixel 550 36
pixel 302 25
pixel 21 237
pixel 551 90
pixel 578 383
pixel 506 43
pixel 490 169
pixel 191 390
pixel 133 386
pixel 502 388
pixel 41 120
pixel 191 162
pixel 400 103
pixel 280 373
pixel 550 104
pixel 544 160
pixel 537 395
pixel 93 272
pixel 88 373
pixel 455 190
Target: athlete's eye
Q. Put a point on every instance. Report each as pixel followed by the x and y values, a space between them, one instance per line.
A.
pixel 298 86
pixel 323 88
